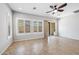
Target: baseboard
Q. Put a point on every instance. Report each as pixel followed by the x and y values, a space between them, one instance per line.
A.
pixel 26 39
pixel 68 38
pixel 7 45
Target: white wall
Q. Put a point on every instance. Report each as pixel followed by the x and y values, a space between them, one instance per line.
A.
pixel 69 26
pixel 5 15
pixel 31 35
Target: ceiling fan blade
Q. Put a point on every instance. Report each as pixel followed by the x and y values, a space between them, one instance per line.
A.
pixel 63 5
pixel 60 10
pixel 49 11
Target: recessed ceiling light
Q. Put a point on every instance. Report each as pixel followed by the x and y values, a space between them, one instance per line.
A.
pixel 34 8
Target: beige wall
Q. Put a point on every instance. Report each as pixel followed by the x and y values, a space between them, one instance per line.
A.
pixel 46 29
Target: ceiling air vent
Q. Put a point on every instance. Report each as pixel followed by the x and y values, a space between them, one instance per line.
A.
pixel 76 11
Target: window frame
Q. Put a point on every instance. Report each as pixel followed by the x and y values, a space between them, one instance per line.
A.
pixel 17 29
pixel 31 26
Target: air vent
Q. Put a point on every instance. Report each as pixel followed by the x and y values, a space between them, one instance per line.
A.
pixel 76 11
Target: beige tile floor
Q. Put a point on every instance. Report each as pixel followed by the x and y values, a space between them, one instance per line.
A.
pixel 51 46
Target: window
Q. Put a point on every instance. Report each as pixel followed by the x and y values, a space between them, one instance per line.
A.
pixel 21 26
pixel 35 26
pixel 40 26
pixel 27 26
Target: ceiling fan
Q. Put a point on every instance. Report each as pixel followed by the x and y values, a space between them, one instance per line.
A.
pixel 55 8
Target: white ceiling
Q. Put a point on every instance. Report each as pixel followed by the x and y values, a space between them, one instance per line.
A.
pixel 42 8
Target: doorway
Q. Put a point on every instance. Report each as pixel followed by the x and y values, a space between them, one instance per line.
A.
pixel 49 28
